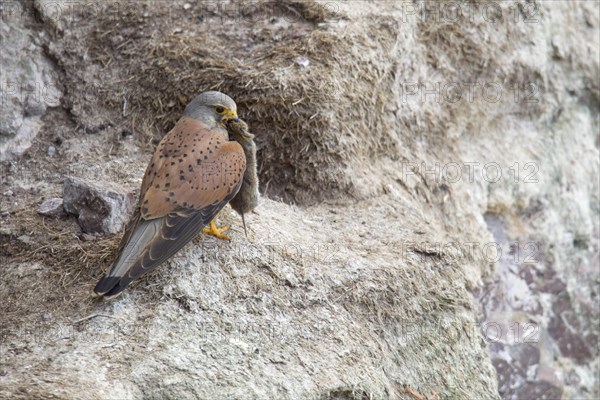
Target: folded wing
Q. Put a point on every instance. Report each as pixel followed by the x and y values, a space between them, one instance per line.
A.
pixel 193 174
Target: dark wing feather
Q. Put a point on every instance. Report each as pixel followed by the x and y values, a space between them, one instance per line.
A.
pixel 173 232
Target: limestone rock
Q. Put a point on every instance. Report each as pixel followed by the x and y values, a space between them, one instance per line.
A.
pixel 100 207
pixel 28 86
pixel 52 208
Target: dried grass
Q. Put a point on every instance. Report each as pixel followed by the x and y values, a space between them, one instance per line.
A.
pixel 312 123
pixel 51 243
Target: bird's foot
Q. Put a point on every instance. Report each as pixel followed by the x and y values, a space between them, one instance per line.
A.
pixel 216 232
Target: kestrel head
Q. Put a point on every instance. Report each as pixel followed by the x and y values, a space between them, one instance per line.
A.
pixel 212 108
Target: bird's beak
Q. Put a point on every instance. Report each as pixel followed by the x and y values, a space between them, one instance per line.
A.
pixel 232 116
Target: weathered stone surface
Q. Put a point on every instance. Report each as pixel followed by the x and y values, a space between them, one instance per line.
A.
pixel 363 297
pixel 545 320
pixel 100 207
pixel 28 81
pixel 52 208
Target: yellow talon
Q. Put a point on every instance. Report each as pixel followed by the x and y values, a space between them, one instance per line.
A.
pixel 216 232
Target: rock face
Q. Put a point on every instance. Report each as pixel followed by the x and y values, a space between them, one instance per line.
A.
pixel 100 208
pixel 28 83
pixel 429 225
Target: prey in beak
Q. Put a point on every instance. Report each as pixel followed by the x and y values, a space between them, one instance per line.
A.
pixel 231 116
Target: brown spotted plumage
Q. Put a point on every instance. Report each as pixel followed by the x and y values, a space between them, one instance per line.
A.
pixel 194 172
pixel 204 171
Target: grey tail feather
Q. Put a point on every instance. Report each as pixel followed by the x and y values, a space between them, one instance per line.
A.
pixel 244 223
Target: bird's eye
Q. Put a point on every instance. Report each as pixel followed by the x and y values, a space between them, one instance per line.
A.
pixel 220 110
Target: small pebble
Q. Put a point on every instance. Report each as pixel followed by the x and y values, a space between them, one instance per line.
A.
pixel 51 151
pixel 187 6
pixel 302 61
pixel 25 239
pixel 52 208
pixel 89 237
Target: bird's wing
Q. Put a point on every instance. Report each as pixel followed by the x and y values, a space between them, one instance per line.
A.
pixel 193 174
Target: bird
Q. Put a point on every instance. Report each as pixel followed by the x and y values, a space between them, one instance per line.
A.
pixel 194 172
pixel 246 199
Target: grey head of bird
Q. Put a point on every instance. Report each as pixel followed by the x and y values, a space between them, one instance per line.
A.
pixel 212 108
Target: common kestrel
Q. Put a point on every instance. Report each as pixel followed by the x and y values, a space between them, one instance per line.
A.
pixel 194 172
